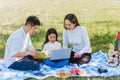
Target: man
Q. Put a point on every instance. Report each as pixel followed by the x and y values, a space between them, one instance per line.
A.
pixel 19 49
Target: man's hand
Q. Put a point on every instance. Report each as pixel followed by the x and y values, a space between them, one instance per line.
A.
pixel 32 52
pixel 35 53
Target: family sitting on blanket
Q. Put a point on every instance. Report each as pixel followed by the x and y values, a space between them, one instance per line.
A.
pixel 19 49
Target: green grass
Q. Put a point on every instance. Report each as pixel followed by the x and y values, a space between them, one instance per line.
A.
pixel 100 17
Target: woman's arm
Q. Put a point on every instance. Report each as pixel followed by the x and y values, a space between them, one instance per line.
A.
pixel 86 42
pixel 86 48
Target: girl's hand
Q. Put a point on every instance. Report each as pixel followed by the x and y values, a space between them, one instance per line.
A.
pixel 77 55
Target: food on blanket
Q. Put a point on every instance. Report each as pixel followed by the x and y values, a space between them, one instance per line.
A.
pixel 63 73
pixel 73 71
pixel 76 71
pixel 79 72
pixel 42 54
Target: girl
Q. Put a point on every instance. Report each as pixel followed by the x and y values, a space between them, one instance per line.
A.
pixel 51 43
pixel 77 36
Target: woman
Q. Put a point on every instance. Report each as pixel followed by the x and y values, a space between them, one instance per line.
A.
pixel 77 36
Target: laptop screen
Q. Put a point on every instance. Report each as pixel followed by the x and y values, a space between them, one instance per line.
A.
pixel 60 54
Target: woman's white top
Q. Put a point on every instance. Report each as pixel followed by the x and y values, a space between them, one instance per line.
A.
pixel 78 38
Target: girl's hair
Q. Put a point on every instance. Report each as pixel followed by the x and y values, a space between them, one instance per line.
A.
pixel 50 31
pixel 72 18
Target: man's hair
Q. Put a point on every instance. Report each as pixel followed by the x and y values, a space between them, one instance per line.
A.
pixel 32 20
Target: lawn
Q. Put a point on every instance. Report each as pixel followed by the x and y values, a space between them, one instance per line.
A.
pixel 101 18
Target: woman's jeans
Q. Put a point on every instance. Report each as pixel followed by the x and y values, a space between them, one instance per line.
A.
pixel 26 63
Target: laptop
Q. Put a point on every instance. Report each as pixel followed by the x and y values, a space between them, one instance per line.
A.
pixel 60 54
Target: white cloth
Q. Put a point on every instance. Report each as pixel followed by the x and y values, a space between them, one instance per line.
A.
pixel 18 41
pixel 78 38
pixel 51 46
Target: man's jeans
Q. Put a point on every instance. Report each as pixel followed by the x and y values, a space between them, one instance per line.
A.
pixel 26 63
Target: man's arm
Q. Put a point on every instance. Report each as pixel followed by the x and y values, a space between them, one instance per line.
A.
pixel 15 48
pixel 22 54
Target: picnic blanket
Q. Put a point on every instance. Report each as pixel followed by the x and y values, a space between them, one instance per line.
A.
pixel 99 59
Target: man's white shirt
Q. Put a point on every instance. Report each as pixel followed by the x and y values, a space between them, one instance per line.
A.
pixel 19 41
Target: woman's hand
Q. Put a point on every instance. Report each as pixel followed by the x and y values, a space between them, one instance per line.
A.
pixel 77 55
